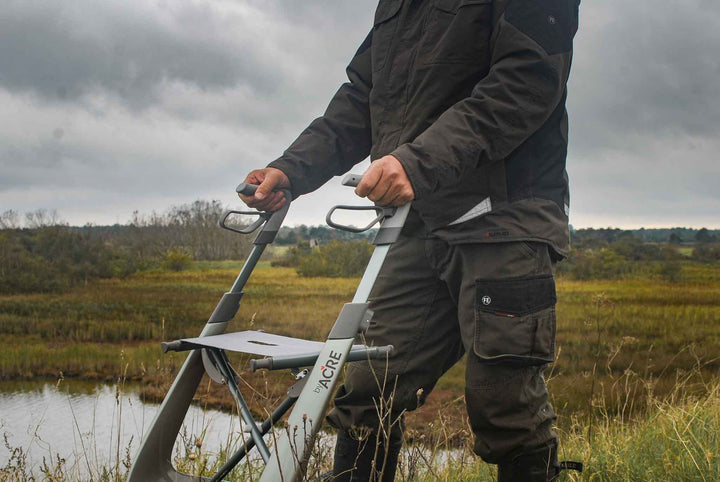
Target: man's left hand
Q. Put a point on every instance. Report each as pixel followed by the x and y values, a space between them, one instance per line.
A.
pixel 386 183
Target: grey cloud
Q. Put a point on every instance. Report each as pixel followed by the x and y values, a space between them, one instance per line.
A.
pixel 116 105
pixel 63 50
pixel 644 68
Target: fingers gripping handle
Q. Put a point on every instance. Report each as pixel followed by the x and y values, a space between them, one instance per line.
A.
pixel 392 219
pixel 270 222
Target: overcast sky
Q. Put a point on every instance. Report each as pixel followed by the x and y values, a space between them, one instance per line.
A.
pixel 113 106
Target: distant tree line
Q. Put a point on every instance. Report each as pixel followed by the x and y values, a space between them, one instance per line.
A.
pixel 322 234
pixel 40 253
pixel 596 254
pixel 43 254
pixel 614 253
pixel 654 235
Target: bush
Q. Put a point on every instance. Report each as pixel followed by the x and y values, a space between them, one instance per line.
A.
pixel 176 259
pixel 337 259
pixel 604 264
pixel 670 270
pixel 293 256
pixel 707 253
pixel 54 258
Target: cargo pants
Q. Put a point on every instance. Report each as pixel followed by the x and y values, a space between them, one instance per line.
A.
pixel 434 302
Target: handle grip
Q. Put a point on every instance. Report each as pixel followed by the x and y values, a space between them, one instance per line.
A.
pixel 177 345
pixel 246 189
pixel 352 180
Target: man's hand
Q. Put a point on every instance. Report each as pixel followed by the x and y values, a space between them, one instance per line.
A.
pixel 264 198
pixel 386 183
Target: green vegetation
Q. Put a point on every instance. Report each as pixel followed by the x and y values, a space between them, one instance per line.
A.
pixel 643 334
pixel 176 260
pixel 634 381
pixel 336 260
pixel 48 256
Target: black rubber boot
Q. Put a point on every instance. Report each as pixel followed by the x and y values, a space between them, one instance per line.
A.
pixel 354 459
pixel 540 465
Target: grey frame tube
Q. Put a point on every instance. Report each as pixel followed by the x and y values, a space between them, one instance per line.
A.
pixel 154 459
pixel 292 451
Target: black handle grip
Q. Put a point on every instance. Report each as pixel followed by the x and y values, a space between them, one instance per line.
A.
pixel 177 345
pixel 246 189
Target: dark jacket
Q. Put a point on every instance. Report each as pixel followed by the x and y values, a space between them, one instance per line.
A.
pixel 469 95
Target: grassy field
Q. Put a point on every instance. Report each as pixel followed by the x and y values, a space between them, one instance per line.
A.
pixel 621 344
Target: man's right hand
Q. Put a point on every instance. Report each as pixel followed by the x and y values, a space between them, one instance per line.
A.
pixel 266 198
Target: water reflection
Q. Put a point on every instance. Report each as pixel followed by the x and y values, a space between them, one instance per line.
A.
pixel 91 426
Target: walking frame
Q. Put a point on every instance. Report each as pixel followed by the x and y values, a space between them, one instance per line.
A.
pixel 287 460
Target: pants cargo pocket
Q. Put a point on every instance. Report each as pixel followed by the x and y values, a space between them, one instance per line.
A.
pixel 515 320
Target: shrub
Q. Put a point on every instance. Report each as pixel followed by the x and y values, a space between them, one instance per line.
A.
pixel 293 256
pixel 670 270
pixel 54 258
pixel 176 259
pixel 707 253
pixel 337 259
pixel 605 264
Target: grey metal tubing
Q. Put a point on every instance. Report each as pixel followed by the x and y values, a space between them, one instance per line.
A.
pixel 371 273
pixel 220 360
pixel 284 362
pixel 267 424
pixel 247 268
pixel 154 459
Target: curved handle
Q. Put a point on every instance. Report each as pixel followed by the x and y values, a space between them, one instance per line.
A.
pixel 272 221
pixel 382 213
pixel 259 222
pixel 390 229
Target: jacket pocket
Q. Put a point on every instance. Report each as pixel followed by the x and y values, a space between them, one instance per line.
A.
pixel 458 32
pixel 384 27
pixel 515 320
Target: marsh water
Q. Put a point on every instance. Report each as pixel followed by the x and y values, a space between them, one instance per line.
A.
pixel 92 426
pixel 97 427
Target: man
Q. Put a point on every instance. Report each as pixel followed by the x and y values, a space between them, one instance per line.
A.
pixel 461 106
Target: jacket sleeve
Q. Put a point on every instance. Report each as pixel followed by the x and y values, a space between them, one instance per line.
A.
pixel 338 140
pixel 531 50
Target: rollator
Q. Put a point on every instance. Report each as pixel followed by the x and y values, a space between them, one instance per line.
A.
pixel 287 459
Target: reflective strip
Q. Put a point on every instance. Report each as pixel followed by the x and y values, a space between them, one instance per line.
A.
pixel 484 207
pixel 567 210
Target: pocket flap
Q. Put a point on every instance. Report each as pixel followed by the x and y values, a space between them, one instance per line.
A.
pixel 516 296
pixel 386 10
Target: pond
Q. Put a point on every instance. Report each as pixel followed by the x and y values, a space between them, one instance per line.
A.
pixel 97 427
pixel 92 426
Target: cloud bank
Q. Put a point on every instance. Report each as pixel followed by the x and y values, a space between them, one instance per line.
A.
pixel 115 106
